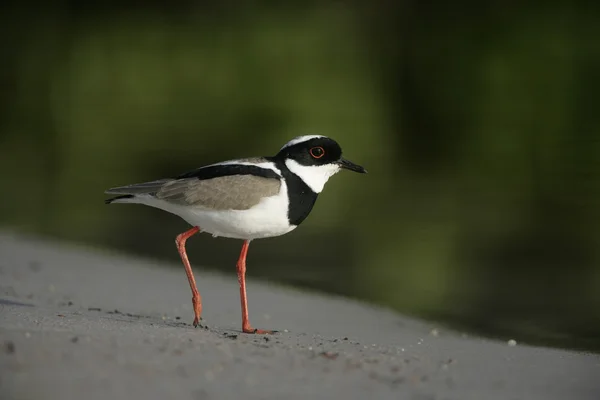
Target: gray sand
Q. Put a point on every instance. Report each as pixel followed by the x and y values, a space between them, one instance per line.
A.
pixel 78 324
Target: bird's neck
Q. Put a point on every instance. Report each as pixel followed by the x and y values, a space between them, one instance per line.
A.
pixel 301 196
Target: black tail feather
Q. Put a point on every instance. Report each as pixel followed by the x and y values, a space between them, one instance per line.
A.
pixel 125 196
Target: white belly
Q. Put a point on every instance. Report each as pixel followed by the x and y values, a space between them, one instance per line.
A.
pixel 240 224
pixel 267 219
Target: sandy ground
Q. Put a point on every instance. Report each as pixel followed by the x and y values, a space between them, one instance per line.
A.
pixel 78 324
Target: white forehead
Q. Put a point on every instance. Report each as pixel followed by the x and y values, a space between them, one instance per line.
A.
pixel 300 139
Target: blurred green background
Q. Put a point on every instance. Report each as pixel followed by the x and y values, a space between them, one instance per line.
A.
pixel 478 123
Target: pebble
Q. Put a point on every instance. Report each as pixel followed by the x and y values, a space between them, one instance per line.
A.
pixel 512 342
pixel 9 347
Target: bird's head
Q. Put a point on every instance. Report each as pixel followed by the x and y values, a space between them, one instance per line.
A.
pixel 315 159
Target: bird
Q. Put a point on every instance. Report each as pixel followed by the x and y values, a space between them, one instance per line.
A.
pixel 244 199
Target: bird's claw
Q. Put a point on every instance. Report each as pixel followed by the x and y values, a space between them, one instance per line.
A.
pixel 197 323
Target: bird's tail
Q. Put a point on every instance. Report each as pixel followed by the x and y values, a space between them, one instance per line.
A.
pixel 126 198
pixel 136 192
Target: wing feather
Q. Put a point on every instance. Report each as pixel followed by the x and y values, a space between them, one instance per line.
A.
pixel 140 188
pixel 236 192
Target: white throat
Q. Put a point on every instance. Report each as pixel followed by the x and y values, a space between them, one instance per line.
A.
pixel 315 176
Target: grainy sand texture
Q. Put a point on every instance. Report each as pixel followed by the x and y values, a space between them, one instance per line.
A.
pixel 82 324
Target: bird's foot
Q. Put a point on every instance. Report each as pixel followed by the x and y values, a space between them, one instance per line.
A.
pixel 197 304
pixel 197 323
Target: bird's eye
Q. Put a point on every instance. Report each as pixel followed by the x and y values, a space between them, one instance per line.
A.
pixel 317 152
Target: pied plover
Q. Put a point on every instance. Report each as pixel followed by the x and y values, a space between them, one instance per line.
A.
pixel 245 199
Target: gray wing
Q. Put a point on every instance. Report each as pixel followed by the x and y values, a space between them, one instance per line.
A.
pixel 140 188
pixel 234 192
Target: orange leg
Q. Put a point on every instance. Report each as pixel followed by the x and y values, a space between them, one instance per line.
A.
pixel 196 299
pixel 241 272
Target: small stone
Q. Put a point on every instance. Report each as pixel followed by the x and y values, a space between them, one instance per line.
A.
pixel 434 332
pixel 512 342
pixel 9 347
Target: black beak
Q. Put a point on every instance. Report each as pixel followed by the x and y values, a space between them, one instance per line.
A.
pixel 351 166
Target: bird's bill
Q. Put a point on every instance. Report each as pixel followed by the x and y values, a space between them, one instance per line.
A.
pixel 346 164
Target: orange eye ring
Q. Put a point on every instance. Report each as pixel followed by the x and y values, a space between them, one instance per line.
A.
pixel 317 152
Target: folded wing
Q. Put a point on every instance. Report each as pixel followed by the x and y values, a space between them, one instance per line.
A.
pixel 239 191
